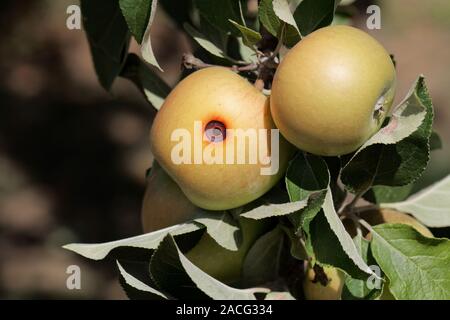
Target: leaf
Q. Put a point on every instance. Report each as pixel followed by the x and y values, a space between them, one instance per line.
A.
pixel 173 272
pixel 247 54
pixel 344 238
pixel 249 36
pixel 306 174
pixel 219 12
pixel 327 250
pixel 206 44
pixel 417 266
pixel 222 228
pixel 99 251
pixel 311 15
pixel 147 81
pixel 356 288
pixel 285 32
pixel 380 194
pixel 136 289
pixel 398 153
pixel 262 261
pixel 297 249
pixel 431 206
pixel 435 141
pixel 136 13
pixel 274 210
pixel 283 12
pixel 108 38
pixel 146 45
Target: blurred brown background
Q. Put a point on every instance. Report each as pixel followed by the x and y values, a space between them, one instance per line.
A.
pixel 73 157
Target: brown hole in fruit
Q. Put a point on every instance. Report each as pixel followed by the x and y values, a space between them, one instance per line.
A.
pixel 215 131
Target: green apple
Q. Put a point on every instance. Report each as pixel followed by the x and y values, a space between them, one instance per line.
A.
pixel 333 90
pixel 330 289
pixel 314 290
pixel 165 205
pixel 223 264
pixel 199 137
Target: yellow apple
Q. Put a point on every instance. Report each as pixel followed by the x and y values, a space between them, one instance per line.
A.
pixel 315 290
pixel 333 90
pixel 192 138
pixel 165 205
pixel 375 217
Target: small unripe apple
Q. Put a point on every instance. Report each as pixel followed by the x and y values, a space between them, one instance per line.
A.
pixel 314 290
pixel 330 289
pixel 223 264
pixel 165 205
pixel 192 138
pixel 333 90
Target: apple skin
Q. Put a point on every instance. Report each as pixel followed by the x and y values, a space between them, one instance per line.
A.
pixel 316 291
pixel 165 205
pixel 333 291
pixel 223 264
pixel 325 90
pixel 216 94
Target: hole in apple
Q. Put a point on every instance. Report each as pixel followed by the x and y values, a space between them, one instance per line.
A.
pixel 215 131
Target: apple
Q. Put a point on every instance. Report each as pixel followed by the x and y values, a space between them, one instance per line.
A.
pixel 223 264
pixel 314 290
pixel 198 137
pixel 165 205
pixel 333 90
pixel 375 217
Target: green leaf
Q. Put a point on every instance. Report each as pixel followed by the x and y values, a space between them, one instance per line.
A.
pixel 435 141
pixel 398 153
pixel 137 14
pixel 297 248
pixel 283 12
pixel 207 44
pixel 417 266
pixel 174 273
pixel 147 81
pixel 99 251
pixel 262 261
pixel 305 175
pixel 108 38
pixel 311 15
pixel 222 228
pixel 380 194
pixel 146 45
pixel 344 238
pixel 327 250
pixel 357 288
pixel 249 36
pixel 136 289
pixel 219 12
pixel 287 33
pixel 431 206
pixel 274 210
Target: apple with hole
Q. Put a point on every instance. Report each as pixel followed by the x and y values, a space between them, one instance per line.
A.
pixel 314 290
pixel 164 205
pixel 333 90
pixel 214 135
